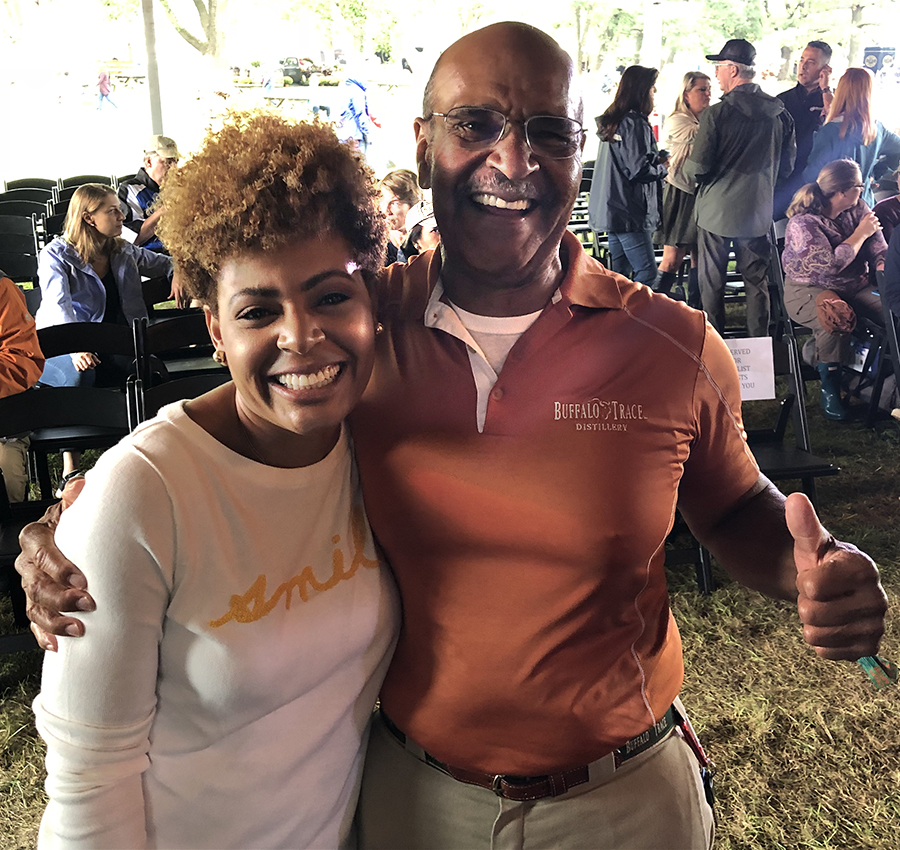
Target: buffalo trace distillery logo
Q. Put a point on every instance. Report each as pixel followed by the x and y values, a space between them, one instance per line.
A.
pixel 598 414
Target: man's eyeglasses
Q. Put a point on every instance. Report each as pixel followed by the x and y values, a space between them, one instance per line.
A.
pixel 551 136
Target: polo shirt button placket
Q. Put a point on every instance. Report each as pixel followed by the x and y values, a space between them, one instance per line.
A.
pixel 497 394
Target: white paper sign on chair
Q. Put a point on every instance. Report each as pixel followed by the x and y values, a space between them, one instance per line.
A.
pixel 755 365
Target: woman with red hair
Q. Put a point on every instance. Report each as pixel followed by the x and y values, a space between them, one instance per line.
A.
pixel 851 132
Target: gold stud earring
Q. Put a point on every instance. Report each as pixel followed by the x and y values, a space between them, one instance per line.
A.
pixel 219 357
pixel 379 327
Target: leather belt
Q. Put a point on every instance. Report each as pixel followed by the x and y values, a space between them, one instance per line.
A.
pixel 525 788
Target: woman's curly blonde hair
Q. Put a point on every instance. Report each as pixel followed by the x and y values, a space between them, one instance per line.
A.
pixel 259 182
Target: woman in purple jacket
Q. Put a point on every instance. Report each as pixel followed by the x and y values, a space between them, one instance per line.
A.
pixel 832 244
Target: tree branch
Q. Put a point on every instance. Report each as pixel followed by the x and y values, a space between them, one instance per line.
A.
pixel 190 38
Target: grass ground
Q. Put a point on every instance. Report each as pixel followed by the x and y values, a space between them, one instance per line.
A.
pixel 808 753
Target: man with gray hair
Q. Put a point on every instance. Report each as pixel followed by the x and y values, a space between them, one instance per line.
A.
pixel 744 145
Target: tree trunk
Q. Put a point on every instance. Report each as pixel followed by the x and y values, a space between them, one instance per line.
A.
pixel 855 48
pixel 152 68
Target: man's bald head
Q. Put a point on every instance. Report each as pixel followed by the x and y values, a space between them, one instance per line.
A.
pixel 514 37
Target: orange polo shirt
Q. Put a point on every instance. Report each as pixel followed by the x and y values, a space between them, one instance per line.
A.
pixel 537 634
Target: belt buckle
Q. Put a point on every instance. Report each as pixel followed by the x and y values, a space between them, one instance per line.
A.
pixel 497 785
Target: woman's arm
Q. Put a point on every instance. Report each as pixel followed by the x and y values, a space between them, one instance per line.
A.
pixel 98 694
pixel 809 255
pixel 56 295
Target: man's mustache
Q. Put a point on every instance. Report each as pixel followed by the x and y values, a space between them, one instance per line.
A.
pixel 497 184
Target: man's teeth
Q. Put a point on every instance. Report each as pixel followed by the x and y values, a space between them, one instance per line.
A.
pixel 309 382
pixel 494 201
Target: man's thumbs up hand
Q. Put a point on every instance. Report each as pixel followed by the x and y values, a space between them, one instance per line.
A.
pixel 841 602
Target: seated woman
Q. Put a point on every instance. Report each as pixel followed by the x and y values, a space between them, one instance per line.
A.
pixel 89 274
pixel 222 693
pixel 833 242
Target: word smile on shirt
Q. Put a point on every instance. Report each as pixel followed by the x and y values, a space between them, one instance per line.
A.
pixel 253 605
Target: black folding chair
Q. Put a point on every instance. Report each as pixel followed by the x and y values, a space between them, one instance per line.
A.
pixel 30 183
pixel 81 179
pixel 27 194
pixel 102 338
pixel 21 268
pixel 174 361
pixel 46 412
pixel 23 208
pixel 18 234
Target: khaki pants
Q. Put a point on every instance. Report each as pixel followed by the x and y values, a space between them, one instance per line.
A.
pixel 800 303
pixel 654 801
pixel 14 463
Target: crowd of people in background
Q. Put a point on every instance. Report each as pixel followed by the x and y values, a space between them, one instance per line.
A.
pixel 726 172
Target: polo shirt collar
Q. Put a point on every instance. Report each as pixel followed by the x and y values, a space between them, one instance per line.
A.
pixel 585 284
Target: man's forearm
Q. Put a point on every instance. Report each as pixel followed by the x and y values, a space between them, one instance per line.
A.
pixel 148 228
pixel 753 544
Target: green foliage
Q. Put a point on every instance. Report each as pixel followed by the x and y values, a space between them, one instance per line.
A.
pixel 735 18
pixel 121 10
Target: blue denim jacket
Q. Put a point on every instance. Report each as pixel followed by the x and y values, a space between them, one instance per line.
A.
pixel 72 292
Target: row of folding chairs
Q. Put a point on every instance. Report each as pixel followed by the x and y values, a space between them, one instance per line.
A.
pixel 61 183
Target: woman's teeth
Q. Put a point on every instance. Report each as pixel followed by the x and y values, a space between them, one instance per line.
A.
pixel 309 382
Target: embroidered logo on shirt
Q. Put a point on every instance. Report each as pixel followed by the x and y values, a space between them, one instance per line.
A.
pixel 253 605
pixel 598 414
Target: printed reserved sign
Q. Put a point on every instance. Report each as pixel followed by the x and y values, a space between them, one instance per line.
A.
pixel 753 358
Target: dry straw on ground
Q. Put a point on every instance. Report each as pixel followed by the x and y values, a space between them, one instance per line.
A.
pixel 808 753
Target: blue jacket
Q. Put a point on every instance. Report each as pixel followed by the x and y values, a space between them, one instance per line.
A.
pixel 355 118
pixel 829 146
pixel 72 292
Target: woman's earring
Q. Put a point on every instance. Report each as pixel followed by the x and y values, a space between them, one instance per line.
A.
pixel 219 357
pixel 379 327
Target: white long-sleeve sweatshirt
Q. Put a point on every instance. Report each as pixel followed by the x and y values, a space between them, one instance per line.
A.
pixel 222 692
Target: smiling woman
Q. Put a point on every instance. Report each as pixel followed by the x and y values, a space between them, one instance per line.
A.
pixel 196 656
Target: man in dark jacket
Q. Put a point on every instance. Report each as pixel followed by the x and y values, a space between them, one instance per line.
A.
pixel 745 143
pixel 808 102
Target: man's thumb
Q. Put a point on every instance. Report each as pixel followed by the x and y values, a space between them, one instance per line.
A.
pixel 809 534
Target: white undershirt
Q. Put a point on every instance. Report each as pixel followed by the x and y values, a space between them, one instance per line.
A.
pixel 488 339
pixel 495 335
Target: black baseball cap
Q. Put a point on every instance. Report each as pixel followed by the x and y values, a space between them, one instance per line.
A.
pixel 735 50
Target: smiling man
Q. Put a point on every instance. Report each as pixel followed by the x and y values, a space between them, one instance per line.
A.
pixel 531 425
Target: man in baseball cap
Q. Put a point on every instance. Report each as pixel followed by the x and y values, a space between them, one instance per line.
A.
pixel 421 229
pixel 137 195
pixel 735 50
pixel 745 144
